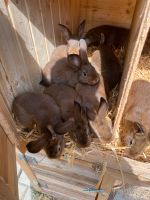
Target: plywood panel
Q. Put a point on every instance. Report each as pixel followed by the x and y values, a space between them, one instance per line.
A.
pixel 8 163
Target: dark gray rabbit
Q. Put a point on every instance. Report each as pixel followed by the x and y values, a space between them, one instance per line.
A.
pixel 40 109
pixel 116 37
pixel 69 102
pixel 107 64
pixel 70 61
pixel 94 98
pixel 52 146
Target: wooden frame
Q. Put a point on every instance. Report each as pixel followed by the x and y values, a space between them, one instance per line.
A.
pixel 19 32
pixel 139 30
pixel 8 169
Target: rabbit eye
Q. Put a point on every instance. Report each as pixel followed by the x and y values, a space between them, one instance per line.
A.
pixel 84 73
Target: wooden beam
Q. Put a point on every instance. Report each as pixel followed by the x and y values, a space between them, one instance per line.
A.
pixel 106 187
pixel 139 171
pixel 139 30
pixel 6 121
pixel 8 163
pixel 5 192
pixel 27 169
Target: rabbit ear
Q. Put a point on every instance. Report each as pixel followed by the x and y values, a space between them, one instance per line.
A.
pixel 139 127
pixel 81 27
pixel 66 32
pixel 74 61
pixel 37 145
pixel 83 51
pixel 64 127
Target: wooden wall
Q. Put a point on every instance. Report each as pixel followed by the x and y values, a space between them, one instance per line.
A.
pixel 29 32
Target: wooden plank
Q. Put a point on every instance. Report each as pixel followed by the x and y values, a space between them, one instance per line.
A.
pixel 27 169
pixel 106 187
pixel 37 30
pixel 56 18
pixel 6 121
pixel 116 12
pixel 21 24
pixel 48 26
pixel 140 27
pixel 75 13
pixel 66 14
pixel 8 163
pixel 140 170
pixel 10 54
pixel 5 86
pixel 5 192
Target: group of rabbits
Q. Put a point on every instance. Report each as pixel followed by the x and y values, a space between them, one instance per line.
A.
pixel 76 91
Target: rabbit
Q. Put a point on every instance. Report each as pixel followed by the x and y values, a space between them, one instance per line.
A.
pixel 116 37
pixel 52 146
pixel 110 67
pixel 137 110
pixel 94 98
pixel 40 109
pixel 136 139
pixel 64 65
pixel 70 105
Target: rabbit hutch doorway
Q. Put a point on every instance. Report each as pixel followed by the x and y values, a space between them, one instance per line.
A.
pixel 28 35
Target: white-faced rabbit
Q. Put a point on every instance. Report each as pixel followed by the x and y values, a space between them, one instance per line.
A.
pixel 69 102
pixel 64 65
pixel 108 35
pixel 40 109
pixel 53 146
pixel 137 112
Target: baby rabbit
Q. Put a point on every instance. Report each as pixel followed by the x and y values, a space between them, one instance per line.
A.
pixel 116 37
pixel 136 138
pixel 69 102
pixel 64 65
pixel 52 146
pixel 107 64
pixel 40 109
pixel 137 112
pixel 94 100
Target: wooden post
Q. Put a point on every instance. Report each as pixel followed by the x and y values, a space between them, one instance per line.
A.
pixel 139 29
pixel 8 163
pixel 27 169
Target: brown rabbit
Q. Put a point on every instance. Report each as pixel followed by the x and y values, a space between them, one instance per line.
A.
pixel 53 146
pixel 69 102
pixel 137 111
pixel 64 65
pixel 40 109
pixel 108 35
pixel 137 139
pixel 94 98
